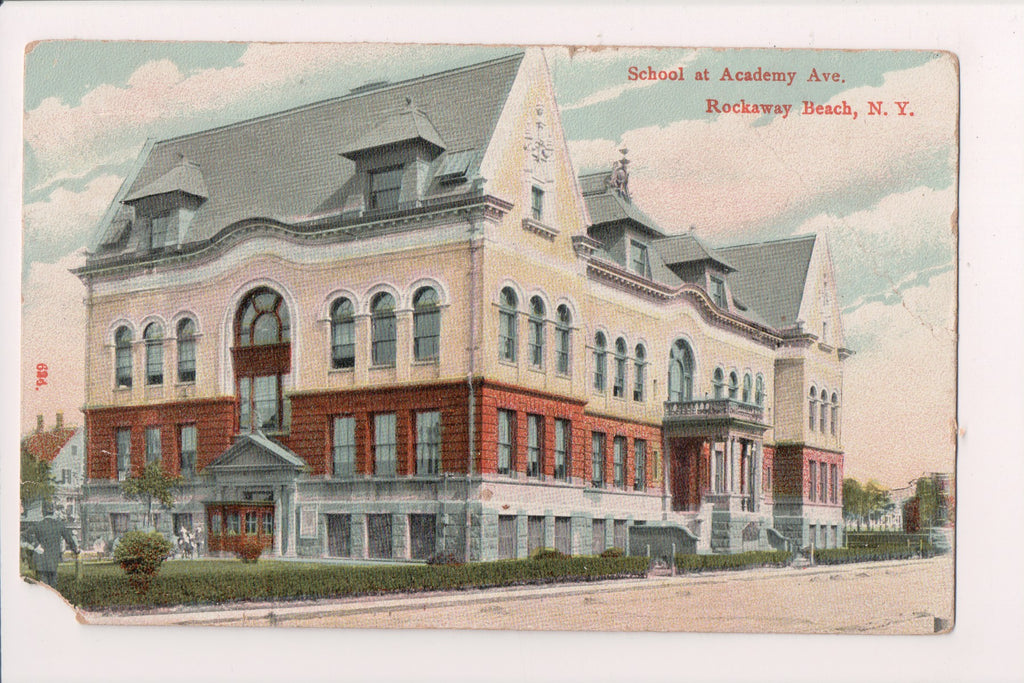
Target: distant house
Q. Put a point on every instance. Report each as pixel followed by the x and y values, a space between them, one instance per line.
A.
pixel 64 449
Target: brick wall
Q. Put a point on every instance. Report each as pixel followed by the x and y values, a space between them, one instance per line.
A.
pixel 792 472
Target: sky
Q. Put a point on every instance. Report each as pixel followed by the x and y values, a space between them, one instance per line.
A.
pixel 881 189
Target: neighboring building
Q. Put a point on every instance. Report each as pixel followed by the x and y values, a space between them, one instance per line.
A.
pixel 395 324
pixel 64 449
pixel 892 517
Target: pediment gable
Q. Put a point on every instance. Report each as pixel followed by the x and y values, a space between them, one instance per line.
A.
pixel 256 452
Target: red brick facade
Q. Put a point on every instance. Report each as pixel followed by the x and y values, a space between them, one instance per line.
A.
pixel 792 473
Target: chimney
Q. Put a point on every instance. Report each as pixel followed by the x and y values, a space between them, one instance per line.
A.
pixel 39 424
pixel 60 420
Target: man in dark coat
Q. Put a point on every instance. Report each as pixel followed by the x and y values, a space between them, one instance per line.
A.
pixel 47 533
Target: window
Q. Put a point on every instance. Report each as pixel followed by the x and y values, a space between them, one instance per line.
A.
pixel 600 361
pixel 598 537
pixel 507 334
pixel 268 523
pixel 159 226
pixel 262 396
pixel 343 334
pixel 718 291
pixel 536 332
pixel 638 262
pixel 734 386
pixel 152 445
pixel 619 461
pixel 118 523
pixel 534 534
pixel 619 387
pixel 823 482
pixel 814 479
pixel 506 537
pixel 383 329
pixel 252 522
pixel 263 319
pixel 187 439
pixel 123 356
pixel 823 413
pixel 563 430
pixel 506 440
pixel 426 324
pixel 563 335
pixel 620 534
pixel 378 536
pixel 563 529
pixel 835 412
pixel 261 360
pixel 344 446
pixel 385 446
pixel 718 380
pixel 537 203
pixel 597 459
pixel 640 464
pixel 759 390
pixel 385 188
pixel 124 453
pixel 811 405
pixel 233 523
pixel 719 471
pixel 154 336
pixel 65 476
pixel 747 387
pixel 339 535
pixel 534 443
pixel 833 483
pixel 428 442
pixel 422 536
pixel 680 372
pixel 639 367
pixel 186 350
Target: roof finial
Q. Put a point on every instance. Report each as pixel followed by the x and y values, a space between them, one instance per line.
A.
pixel 619 178
pixel 693 228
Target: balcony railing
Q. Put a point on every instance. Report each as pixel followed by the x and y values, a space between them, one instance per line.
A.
pixel 718 408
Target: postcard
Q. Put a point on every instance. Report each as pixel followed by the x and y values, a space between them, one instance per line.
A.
pixel 475 337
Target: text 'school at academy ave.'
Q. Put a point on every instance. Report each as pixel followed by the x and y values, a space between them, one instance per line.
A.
pixel 394 324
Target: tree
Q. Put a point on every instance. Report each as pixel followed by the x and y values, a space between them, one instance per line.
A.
pixel 152 485
pixel 875 500
pixel 36 484
pixel 927 495
pixel 853 500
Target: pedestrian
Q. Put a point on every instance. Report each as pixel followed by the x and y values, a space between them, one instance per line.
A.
pixel 47 534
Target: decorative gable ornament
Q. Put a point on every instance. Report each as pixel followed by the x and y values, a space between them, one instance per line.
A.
pixel 538 144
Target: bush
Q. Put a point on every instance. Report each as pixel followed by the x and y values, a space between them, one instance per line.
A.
pixel 444 558
pixel 846 555
pixel 140 554
pixel 748 560
pixel 546 554
pixel 250 549
pixel 612 552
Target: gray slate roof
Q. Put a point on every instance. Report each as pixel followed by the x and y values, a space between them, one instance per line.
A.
pixel 606 205
pixel 687 248
pixel 409 123
pixel 289 165
pixel 770 277
pixel 185 177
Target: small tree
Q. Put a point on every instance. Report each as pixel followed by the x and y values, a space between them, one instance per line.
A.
pixel 140 555
pixel 853 500
pixel 152 485
pixel 36 484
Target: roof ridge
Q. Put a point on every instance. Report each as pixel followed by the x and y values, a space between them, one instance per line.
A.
pixel 339 98
pixel 791 238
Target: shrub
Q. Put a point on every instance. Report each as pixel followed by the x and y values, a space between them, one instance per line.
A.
pixel 846 555
pixel 612 552
pixel 140 554
pixel 250 549
pixel 444 558
pixel 546 554
pixel 756 558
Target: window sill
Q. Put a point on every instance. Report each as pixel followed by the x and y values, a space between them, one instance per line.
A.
pixel 122 389
pixel 427 361
pixel 508 363
pixel 390 366
pixel 539 369
pixel 341 371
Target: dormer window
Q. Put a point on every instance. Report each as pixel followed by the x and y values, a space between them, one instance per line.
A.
pixel 385 188
pixel 537 203
pixel 159 227
pixel 638 261
pixel 718 291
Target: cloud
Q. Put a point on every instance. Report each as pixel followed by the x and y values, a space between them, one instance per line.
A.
pixel 727 175
pixel 52 305
pixel 66 216
pixel 616 91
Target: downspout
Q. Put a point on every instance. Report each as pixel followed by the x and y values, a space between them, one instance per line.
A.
pixel 474 274
pixel 85 422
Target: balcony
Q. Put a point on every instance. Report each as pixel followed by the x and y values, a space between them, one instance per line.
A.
pixel 713 411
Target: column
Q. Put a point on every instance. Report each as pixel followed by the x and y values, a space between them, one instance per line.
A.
pixel 293 522
pixel 364 356
pixel 713 466
pixel 278 516
pixel 403 343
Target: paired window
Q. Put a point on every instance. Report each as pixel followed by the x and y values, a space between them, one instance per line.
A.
pixel 506 440
pixel 385 444
pixel 640 464
pixel 426 324
pixel 154 337
pixel 680 372
pixel 153 445
pixel 123 357
pixel 597 446
pixel 563 334
pixel 343 334
pixel 385 188
pixel 507 319
pixel 537 334
pixel 639 372
pixel 619 461
pixel 343 449
pixel 187 454
pixel 186 350
pixel 383 329
pixel 534 444
pixel 600 361
pixel 563 431
pixel 428 442
pixel 638 261
pixel 619 386
pixel 124 453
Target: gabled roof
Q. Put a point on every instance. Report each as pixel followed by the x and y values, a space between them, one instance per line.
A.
pixel 288 166
pixel 44 446
pixel 405 125
pixel 254 451
pixel 770 277
pixel 606 205
pixel 687 248
pixel 185 177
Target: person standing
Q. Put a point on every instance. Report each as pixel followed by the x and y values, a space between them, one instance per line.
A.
pixel 48 533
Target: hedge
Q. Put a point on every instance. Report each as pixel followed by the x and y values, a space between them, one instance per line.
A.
pixel 845 555
pixel 199 582
pixel 885 539
pixel 758 558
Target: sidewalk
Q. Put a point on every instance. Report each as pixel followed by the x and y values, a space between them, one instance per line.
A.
pixel 239 614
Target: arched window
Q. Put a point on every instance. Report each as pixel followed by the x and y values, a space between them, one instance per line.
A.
pixel 343 334
pixel 507 333
pixel 734 385
pixel 823 413
pixel 759 390
pixel 186 350
pixel 747 387
pixel 835 412
pixel 123 356
pixel 812 404
pixel 563 339
pixel 537 332
pixel 619 386
pixel 718 380
pixel 680 372
pixel 426 324
pixel 262 360
pixel 383 331
pixel 639 370
pixel 600 361
pixel 154 336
